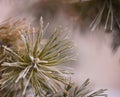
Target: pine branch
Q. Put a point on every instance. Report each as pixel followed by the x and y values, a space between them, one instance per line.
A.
pixel 36 65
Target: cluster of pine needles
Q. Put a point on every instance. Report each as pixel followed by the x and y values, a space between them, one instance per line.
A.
pixel 105 14
pixel 28 64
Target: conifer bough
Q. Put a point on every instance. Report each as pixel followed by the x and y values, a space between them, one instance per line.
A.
pixel 36 65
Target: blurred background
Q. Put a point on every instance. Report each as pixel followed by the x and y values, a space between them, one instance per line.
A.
pixel 96 58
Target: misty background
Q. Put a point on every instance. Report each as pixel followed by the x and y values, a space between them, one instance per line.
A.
pixel 96 59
